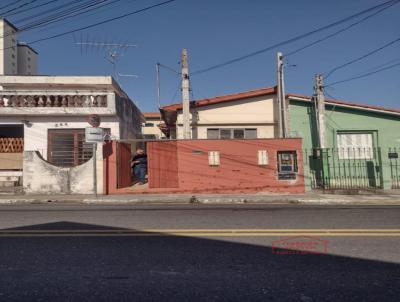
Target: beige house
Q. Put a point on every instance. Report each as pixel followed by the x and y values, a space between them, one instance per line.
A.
pixel 245 115
pixel 150 128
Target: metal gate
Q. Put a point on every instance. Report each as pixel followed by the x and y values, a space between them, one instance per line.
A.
pixel 346 169
pixel 393 155
pixel 124 177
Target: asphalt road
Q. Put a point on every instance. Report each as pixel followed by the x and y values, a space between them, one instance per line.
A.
pixel 199 253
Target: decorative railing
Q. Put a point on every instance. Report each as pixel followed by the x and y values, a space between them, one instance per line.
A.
pixel 53 100
pixel 11 145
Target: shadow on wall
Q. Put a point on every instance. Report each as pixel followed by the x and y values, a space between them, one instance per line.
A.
pixel 103 263
pixel 41 177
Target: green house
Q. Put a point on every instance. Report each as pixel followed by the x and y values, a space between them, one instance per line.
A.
pixel 362 144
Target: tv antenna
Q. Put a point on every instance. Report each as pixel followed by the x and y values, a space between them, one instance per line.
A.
pixel 113 52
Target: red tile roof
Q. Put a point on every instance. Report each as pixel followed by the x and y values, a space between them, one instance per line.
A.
pixel 350 104
pixel 151 114
pixel 224 98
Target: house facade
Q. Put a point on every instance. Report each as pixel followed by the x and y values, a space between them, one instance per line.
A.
pixel 42 128
pixel 151 127
pixel 246 115
pixel 362 143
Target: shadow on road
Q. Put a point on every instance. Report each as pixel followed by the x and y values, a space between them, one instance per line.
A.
pixel 65 265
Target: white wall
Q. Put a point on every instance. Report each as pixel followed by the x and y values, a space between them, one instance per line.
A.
pixel 35 136
pixel 35 133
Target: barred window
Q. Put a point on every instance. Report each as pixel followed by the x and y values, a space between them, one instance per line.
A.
pixel 67 147
pixel 355 145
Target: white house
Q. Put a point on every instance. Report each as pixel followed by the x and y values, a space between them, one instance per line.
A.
pixel 45 117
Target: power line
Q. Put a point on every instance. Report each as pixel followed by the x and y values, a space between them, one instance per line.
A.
pixel 93 4
pixel 37 23
pixel 294 39
pixel 50 10
pixel 362 57
pixel 102 22
pixel 30 8
pixel 340 31
pixel 9 4
pixel 363 75
pixel 87 13
pixel 20 6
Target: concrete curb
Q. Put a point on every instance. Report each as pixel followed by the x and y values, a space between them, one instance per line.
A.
pixel 206 200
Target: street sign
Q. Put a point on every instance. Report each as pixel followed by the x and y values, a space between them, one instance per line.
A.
pixel 93 135
pixel 94 120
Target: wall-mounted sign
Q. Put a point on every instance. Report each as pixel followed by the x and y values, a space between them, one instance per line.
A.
pixel 393 155
pixel 94 120
pixel 93 135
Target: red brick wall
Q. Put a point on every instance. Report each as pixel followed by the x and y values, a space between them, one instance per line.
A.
pixel 238 169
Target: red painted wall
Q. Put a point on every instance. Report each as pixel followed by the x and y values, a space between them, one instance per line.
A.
pixel 162 164
pixel 238 169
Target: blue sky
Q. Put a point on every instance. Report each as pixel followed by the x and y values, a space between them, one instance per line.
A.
pixel 214 31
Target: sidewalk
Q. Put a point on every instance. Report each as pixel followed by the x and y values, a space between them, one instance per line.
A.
pixel 311 198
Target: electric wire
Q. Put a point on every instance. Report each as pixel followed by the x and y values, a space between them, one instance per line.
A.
pixel 294 39
pixel 363 75
pixel 328 74
pixel 102 22
pixel 9 4
pixel 20 6
pixel 49 19
pixel 340 31
pixel 30 8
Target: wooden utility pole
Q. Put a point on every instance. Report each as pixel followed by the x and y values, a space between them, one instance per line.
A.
pixel 320 109
pixel 185 95
pixel 282 106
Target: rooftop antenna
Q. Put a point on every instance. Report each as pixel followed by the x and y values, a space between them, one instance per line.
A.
pixel 113 51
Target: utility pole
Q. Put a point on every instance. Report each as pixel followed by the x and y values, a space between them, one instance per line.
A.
pixel 282 106
pixel 320 109
pixel 185 95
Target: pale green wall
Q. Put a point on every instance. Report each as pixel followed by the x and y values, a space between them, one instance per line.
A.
pixel 386 129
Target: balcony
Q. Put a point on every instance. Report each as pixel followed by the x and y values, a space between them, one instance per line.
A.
pixel 31 101
pixel 56 103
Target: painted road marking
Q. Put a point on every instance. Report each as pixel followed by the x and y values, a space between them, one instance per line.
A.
pixel 203 232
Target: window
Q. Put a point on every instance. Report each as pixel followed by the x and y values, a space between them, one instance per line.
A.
pixel 227 133
pixel 250 133
pixel 212 133
pixel 213 158
pixel 238 133
pixel 355 145
pixel 67 147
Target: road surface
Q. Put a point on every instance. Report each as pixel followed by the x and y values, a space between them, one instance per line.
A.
pixel 66 252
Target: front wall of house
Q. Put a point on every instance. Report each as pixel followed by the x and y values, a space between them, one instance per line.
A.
pixel 152 130
pixel 256 112
pixel 36 133
pixel 385 129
